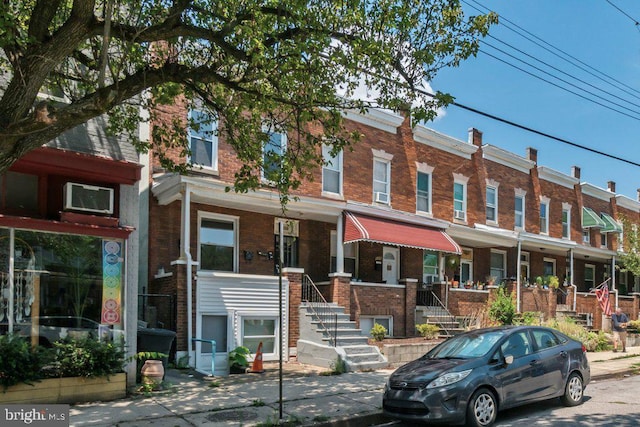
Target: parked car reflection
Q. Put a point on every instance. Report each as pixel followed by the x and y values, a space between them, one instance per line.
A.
pixel 472 376
pixel 55 328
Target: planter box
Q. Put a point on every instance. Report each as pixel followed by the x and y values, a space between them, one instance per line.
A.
pixel 67 390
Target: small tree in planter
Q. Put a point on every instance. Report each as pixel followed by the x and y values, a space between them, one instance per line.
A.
pixel 428 331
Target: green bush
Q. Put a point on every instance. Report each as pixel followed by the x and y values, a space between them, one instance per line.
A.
pixel 19 362
pixel 238 358
pixel 593 341
pixel 428 331
pixel 378 332
pixel 503 309
pixel 86 357
pixel 527 318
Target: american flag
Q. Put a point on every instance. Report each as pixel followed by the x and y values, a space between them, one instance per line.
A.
pixel 602 294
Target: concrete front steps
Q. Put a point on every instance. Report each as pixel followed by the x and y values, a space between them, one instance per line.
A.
pixel 448 324
pixel 315 346
pixel 583 319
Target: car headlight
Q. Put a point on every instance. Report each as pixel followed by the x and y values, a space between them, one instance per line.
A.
pixel 449 378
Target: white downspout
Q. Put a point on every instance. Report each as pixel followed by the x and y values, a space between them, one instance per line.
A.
pixel 573 286
pixel 186 254
pixel 340 245
pixel 613 278
pixel 519 269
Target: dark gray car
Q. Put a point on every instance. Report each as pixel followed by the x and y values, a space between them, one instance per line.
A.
pixel 470 377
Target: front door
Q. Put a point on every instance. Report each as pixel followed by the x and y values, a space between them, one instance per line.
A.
pixel 212 327
pixel 390 265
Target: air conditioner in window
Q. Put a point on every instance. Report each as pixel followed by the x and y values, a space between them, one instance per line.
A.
pixel 457 214
pixel 381 197
pixel 88 198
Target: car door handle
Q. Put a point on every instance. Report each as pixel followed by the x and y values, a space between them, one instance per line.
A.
pixel 533 362
pixel 563 354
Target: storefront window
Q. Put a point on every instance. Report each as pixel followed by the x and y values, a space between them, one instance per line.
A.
pixel 63 285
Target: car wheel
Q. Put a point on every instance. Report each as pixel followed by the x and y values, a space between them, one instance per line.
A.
pixel 573 391
pixel 482 409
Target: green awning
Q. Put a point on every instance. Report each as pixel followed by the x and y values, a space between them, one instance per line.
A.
pixel 591 219
pixel 611 225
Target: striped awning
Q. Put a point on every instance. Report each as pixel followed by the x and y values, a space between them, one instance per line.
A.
pixel 590 219
pixel 363 228
pixel 611 225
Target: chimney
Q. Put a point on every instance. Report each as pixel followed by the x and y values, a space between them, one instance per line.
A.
pixel 611 185
pixel 475 137
pixel 575 172
pixel 638 190
pixel 532 154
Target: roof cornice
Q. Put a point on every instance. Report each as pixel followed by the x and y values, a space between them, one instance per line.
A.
pixel 385 120
pixel 424 135
pixel 506 158
pixel 556 177
pixel 597 192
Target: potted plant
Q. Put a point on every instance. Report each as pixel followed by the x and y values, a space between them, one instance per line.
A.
pixel 553 282
pixel 238 363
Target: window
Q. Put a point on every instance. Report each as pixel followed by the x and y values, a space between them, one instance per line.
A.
pixel 492 203
pixel 466 265
pixel 214 327
pixel 517 345
pixel 272 155
pixel 589 276
pixel 498 265
pixel 217 243
pixel 19 193
pixel 544 215
pixel 349 251
pixel 290 251
pixel 524 267
pixel 381 180
pixel 423 193
pixel 460 197
pixel 259 329
pixel 430 270
pixel 367 322
pixel 545 339
pixel 203 141
pixel 566 221
pixel 586 235
pixel 331 171
pixel 549 267
pixel 603 240
pixel 519 209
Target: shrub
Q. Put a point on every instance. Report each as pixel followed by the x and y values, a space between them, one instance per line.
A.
pixel 378 332
pixel 527 318
pixel 19 362
pixel 503 309
pixel 634 326
pixel 86 357
pixel 428 331
pixel 593 341
pixel 238 359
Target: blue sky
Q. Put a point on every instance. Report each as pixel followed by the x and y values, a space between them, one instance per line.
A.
pixel 592 31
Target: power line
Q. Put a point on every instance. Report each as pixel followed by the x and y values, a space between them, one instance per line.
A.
pixel 584 67
pixel 636 23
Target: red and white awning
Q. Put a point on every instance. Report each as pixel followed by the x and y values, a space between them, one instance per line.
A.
pixel 362 228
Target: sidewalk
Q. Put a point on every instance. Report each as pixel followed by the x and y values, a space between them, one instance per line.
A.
pixel 309 397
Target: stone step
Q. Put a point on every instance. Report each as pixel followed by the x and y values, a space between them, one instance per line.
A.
pixel 357 349
pixel 348 340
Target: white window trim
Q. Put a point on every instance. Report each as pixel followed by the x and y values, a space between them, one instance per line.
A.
pixel 427 170
pixel 236 235
pixel 382 316
pixel 586 233
pixel 260 315
pixel 567 207
pixel 546 201
pixel 552 261
pixel 526 263
pixel 340 171
pixel 214 145
pixel 495 186
pixel 383 157
pixel 268 130
pixel 462 180
pixel 606 241
pixel 519 192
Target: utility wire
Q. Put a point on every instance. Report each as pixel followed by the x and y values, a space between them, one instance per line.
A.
pixel 586 68
pixel 562 80
pixel 636 23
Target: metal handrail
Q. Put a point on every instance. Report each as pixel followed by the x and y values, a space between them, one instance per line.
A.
pixel 320 308
pixel 441 311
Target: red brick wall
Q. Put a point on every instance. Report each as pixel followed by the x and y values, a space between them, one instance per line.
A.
pixel 384 301
pixel 464 302
pixel 295 299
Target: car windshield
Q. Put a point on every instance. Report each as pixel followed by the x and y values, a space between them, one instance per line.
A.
pixel 466 346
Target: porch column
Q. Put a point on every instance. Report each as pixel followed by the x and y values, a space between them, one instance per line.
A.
pixel 518 269
pixel 340 245
pixel 294 276
pixel 410 295
pixel 340 290
pixel 573 286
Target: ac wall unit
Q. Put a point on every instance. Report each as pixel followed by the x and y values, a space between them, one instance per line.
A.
pixel 459 214
pixel 88 198
pixel 381 197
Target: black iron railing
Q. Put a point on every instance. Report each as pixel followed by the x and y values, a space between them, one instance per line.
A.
pixel 322 311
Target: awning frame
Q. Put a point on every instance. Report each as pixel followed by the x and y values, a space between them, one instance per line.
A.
pixel 590 219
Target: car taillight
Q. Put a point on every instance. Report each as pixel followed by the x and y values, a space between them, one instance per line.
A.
pixel 584 349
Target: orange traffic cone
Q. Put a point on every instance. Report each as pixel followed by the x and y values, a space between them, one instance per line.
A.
pixel 257 368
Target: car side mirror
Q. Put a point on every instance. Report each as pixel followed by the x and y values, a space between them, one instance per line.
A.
pixel 508 359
